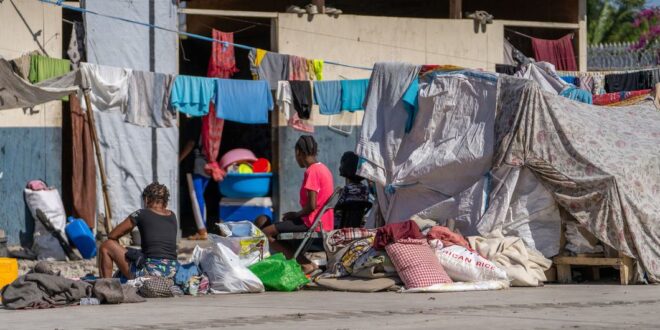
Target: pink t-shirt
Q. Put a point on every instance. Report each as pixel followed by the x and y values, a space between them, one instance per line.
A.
pixel 319 179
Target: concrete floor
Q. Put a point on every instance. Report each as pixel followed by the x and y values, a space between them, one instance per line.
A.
pixel 550 307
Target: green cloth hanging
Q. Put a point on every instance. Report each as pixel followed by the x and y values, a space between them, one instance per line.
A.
pixel 44 68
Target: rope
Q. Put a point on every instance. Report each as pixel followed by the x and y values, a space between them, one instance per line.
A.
pixel 188 34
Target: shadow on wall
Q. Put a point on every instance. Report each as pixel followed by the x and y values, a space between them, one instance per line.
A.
pixel 26 236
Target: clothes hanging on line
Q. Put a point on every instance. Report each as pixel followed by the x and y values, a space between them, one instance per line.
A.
pixel 315 69
pixel 269 66
pixel 149 100
pixel 284 98
pixel 212 126
pixel 298 68
pixel 76 50
pixel 44 68
pixel 327 94
pixel 558 52
pixel 275 67
pixel 142 97
pixel 301 91
pixel 108 86
pixel 16 92
pixel 222 63
pixel 632 81
pixel 243 101
pixel 192 95
pixel 353 93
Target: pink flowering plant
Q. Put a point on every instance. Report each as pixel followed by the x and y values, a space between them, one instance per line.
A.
pixel 648 20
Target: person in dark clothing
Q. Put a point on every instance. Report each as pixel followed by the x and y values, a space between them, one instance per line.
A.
pixel 158 231
pixel 355 192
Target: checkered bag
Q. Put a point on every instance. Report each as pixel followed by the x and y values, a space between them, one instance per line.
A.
pixel 157 287
pixel 416 263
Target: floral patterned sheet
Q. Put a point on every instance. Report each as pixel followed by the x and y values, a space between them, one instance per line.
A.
pixel 601 164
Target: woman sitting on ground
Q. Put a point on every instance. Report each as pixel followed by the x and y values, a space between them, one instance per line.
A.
pixel 316 189
pixel 158 231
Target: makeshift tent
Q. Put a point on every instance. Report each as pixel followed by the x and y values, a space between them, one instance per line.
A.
pixel 502 155
pixel 601 165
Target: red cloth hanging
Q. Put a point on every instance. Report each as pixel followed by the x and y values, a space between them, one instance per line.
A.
pixel 558 52
pixel 222 63
pixel 212 127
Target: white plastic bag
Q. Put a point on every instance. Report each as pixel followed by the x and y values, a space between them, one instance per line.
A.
pixel 225 272
pixel 250 249
pixel 46 246
pixel 463 265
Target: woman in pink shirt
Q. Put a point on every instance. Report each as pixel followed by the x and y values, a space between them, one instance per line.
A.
pixel 316 189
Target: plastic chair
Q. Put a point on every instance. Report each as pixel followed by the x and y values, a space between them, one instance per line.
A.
pixel 308 236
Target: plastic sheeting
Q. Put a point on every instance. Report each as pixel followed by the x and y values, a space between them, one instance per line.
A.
pixel 447 152
pixel 128 45
pixel 134 156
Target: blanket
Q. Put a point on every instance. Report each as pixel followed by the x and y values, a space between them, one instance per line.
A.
pixel 33 291
pixel 524 266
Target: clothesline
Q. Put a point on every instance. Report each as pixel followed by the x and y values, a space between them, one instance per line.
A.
pixel 528 36
pixel 188 34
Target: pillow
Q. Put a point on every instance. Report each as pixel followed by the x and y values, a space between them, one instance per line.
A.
pixel 416 263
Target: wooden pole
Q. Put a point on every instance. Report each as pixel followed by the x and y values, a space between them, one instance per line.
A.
pixel 99 160
pixel 455 9
pixel 320 4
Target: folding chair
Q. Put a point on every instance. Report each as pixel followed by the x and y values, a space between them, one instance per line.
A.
pixel 308 236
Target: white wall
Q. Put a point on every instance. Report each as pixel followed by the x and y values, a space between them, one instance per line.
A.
pixel 19 19
pixel 30 139
pixel 364 40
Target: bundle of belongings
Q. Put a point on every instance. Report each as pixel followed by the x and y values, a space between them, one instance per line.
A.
pixel 508 157
pixel 238 262
pixel 44 288
pixel 434 259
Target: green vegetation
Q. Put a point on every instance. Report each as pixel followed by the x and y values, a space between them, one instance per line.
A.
pixel 612 21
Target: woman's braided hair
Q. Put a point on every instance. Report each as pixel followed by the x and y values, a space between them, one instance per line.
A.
pixel 156 193
pixel 307 145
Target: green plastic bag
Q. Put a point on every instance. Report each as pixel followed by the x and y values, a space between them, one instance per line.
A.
pixel 279 274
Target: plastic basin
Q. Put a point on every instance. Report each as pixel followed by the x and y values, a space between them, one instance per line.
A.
pixel 236 185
